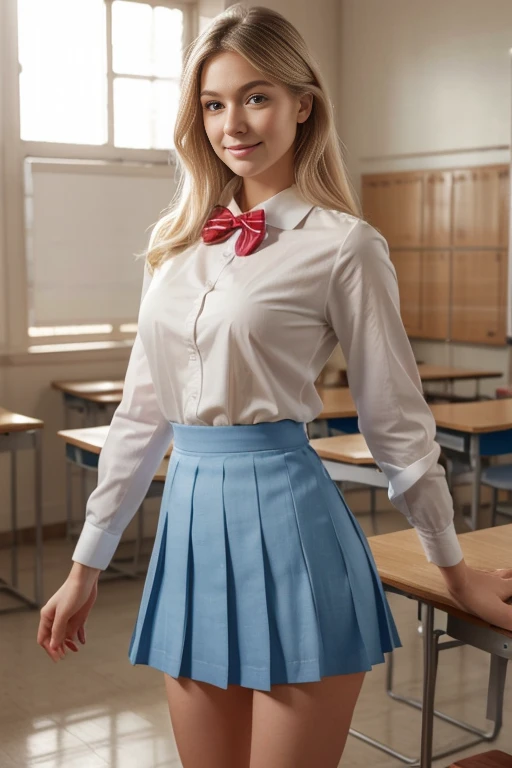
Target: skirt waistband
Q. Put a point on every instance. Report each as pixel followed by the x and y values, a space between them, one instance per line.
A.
pixel 265 436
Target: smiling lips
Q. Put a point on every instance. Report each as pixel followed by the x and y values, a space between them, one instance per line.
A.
pixel 242 151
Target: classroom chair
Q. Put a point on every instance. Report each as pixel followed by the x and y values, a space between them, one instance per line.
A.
pixel 499 478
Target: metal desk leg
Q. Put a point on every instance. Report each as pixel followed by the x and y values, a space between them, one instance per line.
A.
pixel 12 444
pixel 38 491
pixel 430 659
pixel 476 465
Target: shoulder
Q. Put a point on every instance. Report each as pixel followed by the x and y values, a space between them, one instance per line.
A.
pixel 346 231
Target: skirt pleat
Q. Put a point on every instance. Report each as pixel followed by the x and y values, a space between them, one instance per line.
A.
pixel 260 574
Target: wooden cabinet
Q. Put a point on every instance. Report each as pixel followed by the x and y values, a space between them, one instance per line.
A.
pixel 435 289
pixel 476 207
pixel 437 209
pixel 479 297
pixel 448 233
pixel 394 207
pixel 504 207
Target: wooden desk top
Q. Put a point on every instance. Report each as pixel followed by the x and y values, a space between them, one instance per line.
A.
pixel 402 564
pixel 480 416
pixel 476 417
pixel 447 373
pixel 337 403
pixel 93 439
pixel 350 449
pixel 90 438
pixel 103 398
pixel 80 388
pixel 15 422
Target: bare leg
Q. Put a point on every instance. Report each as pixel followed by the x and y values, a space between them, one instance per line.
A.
pixel 303 725
pixel 212 726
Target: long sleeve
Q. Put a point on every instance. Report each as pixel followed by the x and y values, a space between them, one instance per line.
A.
pixel 137 441
pixel 363 308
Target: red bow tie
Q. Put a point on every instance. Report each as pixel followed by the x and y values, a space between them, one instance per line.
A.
pixel 222 223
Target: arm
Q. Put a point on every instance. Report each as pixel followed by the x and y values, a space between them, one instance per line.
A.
pixel 363 308
pixel 137 440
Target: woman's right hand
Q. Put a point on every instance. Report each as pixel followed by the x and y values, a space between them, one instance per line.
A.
pixel 63 617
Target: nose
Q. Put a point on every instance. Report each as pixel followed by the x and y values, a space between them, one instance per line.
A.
pixel 234 123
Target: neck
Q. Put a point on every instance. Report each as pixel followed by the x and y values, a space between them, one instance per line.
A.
pixel 255 191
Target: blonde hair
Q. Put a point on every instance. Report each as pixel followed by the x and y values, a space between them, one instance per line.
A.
pixel 273 46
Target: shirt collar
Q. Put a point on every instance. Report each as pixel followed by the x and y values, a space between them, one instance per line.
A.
pixel 284 210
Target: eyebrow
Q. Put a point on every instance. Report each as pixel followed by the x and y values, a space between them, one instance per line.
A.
pixel 242 88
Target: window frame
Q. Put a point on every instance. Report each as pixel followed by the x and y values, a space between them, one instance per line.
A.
pixel 14 336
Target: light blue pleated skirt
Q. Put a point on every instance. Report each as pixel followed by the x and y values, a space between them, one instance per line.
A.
pixel 259 574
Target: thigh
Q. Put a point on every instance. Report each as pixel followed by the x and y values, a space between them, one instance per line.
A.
pixel 211 725
pixel 303 725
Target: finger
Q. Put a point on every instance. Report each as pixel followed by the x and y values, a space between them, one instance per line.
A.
pixel 71 645
pixel 53 654
pixel 45 628
pixel 81 634
pixel 505 573
pixel 59 630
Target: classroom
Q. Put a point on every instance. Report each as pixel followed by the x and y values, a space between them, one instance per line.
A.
pixel 266 458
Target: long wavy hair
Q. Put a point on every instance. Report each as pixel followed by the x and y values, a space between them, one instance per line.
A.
pixel 273 46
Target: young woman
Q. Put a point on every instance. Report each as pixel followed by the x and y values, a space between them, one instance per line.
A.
pixel 262 604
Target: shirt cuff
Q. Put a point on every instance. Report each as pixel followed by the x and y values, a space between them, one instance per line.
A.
pixel 95 547
pixel 441 548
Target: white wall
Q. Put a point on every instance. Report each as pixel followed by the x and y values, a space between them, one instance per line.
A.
pixel 425 79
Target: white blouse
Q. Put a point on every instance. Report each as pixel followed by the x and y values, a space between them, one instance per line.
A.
pixel 225 339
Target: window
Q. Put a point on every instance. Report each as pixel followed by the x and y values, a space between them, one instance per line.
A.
pixel 98 90
pixel 100 72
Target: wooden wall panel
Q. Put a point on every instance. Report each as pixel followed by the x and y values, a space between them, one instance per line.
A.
pixel 393 204
pixel 437 209
pixel 476 207
pixel 477 296
pixel 504 210
pixel 448 233
pixel 435 291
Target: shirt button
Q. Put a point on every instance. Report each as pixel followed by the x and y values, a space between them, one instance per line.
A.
pixel 192 357
pixel 209 284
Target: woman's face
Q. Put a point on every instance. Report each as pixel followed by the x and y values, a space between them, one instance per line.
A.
pixel 240 108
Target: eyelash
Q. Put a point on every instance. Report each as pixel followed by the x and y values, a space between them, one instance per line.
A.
pixel 254 96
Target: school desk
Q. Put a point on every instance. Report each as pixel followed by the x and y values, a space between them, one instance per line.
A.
pixel 347 459
pixel 449 375
pixel 16 433
pixel 83 448
pixel 82 396
pixel 482 428
pixel 404 570
pixel 91 400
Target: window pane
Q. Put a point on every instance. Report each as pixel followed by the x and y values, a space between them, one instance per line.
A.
pixel 165 103
pixel 132 113
pixel 144 113
pixel 146 41
pixel 63 82
pixel 131 37
pixel 168 36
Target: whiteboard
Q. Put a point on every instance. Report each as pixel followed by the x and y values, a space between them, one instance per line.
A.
pixel 84 224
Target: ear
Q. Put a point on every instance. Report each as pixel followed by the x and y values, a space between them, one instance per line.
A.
pixel 305 107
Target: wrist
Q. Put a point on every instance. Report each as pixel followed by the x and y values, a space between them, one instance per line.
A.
pixel 455 576
pixel 84 573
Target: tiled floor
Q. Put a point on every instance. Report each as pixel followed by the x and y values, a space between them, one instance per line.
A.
pixel 94 709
